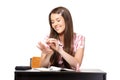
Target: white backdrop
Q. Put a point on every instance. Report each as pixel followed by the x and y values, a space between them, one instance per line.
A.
pixel 24 22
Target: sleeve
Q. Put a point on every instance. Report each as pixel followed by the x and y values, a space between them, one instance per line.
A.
pixel 80 41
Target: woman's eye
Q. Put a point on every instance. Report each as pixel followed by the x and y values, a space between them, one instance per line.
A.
pixel 52 22
pixel 58 20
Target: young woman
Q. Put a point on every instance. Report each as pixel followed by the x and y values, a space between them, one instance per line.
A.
pixel 65 48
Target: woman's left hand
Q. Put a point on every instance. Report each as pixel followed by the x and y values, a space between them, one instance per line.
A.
pixel 53 43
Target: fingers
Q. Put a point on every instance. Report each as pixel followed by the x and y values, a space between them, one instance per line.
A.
pixel 41 46
pixel 51 41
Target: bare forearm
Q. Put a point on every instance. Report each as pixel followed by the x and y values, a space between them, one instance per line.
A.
pixel 45 59
pixel 70 59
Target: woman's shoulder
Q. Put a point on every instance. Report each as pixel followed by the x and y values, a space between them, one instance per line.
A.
pixel 79 41
pixel 78 35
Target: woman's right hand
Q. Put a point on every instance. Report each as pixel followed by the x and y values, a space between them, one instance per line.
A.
pixel 44 48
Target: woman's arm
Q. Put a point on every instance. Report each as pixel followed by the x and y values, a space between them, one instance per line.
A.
pixel 45 55
pixel 45 59
pixel 73 61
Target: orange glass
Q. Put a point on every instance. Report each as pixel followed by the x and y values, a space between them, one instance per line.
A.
pixel 35 62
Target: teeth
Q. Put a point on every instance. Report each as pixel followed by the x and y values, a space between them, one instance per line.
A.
pixel 57 28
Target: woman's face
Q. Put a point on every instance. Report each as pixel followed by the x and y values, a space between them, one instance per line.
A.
pixel 58 23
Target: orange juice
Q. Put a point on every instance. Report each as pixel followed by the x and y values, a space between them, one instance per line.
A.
pixel 35 62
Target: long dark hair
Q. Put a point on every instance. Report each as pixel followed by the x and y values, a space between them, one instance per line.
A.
pixel 68 35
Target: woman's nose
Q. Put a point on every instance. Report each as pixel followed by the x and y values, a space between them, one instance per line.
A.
pixel 55 23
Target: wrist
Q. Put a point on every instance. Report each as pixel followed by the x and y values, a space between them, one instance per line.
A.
pixel 46 54
pixel 60 50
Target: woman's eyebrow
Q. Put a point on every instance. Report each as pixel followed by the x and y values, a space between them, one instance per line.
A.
pixel 57 18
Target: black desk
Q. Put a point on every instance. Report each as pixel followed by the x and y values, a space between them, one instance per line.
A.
pixel 84 74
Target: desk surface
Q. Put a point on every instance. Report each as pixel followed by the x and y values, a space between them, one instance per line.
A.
pixel 81 71
pixel 84 74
